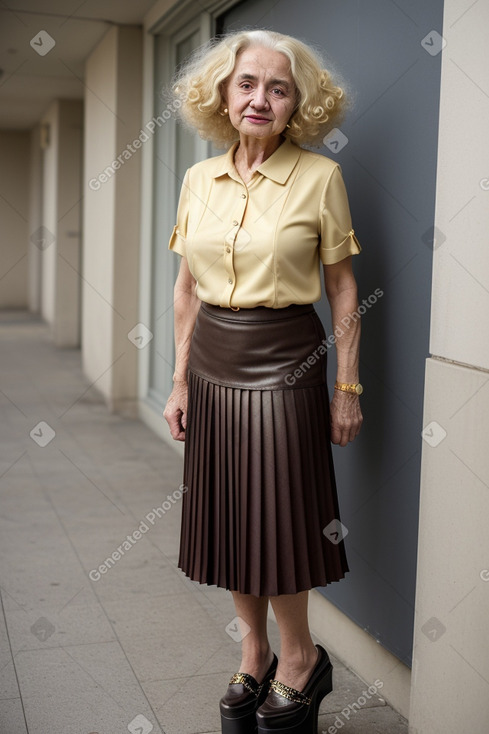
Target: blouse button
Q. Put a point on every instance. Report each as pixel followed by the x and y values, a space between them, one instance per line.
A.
pixel 230 281
pixel 235 222
pixel 228 249
pixel 243 196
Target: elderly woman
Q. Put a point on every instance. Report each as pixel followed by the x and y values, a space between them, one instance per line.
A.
pixel 260 516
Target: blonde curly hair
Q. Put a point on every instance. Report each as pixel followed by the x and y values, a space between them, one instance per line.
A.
pixel 198 84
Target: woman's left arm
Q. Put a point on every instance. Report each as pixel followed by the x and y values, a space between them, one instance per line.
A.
pixel 341 290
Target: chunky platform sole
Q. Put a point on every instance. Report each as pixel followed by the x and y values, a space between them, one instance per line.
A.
pixel 307 716
pixel 244 725
pixel 241 718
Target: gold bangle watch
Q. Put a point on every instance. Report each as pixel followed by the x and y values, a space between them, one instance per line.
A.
pixel 352 387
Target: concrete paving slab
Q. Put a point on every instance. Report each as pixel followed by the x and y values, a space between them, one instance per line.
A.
pixel 12 716
pixel 50 626
pixel 8 683
pixel 152 631
pixel 189 705
pixel 84 688
pixel 373 720
pixel 347 690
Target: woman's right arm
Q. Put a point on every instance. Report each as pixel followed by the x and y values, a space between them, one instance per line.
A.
pixel 185 307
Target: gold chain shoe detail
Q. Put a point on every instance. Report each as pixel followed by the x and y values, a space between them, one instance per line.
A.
pixel 291 693
pixel 248 682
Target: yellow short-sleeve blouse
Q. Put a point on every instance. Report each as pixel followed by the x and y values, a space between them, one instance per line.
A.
pixel 260 244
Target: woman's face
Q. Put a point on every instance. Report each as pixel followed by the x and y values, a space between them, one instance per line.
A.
pixel 260 94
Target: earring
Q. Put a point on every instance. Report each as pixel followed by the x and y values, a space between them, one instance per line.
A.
pixel 224 112
pixel 287 125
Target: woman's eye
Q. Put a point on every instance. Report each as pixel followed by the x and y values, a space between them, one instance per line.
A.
pixel 277 91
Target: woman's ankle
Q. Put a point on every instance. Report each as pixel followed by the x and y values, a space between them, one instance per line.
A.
pixel 256 660
pixel 299 657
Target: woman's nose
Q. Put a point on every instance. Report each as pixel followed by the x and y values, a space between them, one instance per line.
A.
pixel 259 100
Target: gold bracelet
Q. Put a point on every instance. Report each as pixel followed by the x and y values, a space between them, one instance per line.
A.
pixel 352 387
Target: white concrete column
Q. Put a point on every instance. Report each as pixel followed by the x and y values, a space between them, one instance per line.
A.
pixel 34 253
pixel 68 236
pixel 45 237
pixel 111 188
pixel 14 208
pixel 450 676
pixel 59 237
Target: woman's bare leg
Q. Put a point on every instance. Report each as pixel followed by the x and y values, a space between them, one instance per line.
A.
pixel 256 653
pixel 298 654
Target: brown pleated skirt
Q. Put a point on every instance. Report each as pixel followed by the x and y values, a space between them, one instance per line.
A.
pixel 258 464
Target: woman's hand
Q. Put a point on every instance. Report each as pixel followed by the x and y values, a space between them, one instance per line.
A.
pixel 346 417
pixel 175 411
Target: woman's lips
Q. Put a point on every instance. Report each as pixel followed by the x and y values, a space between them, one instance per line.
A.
pixel 257 120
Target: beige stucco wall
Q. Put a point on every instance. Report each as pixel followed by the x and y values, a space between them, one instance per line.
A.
pixel 34 254
pixel 112 216
pixel 49 215
pixel 450 674
pixel 14 213
pixel 60 217
pixel 98 220
pixel 68 235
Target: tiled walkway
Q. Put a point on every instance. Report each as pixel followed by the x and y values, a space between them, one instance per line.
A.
pixel 139 648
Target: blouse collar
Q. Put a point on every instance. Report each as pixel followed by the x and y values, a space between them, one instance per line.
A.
pixel 277 167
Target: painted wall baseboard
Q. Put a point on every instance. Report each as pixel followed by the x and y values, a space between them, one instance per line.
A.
pixel 127 407
pixel 360 652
